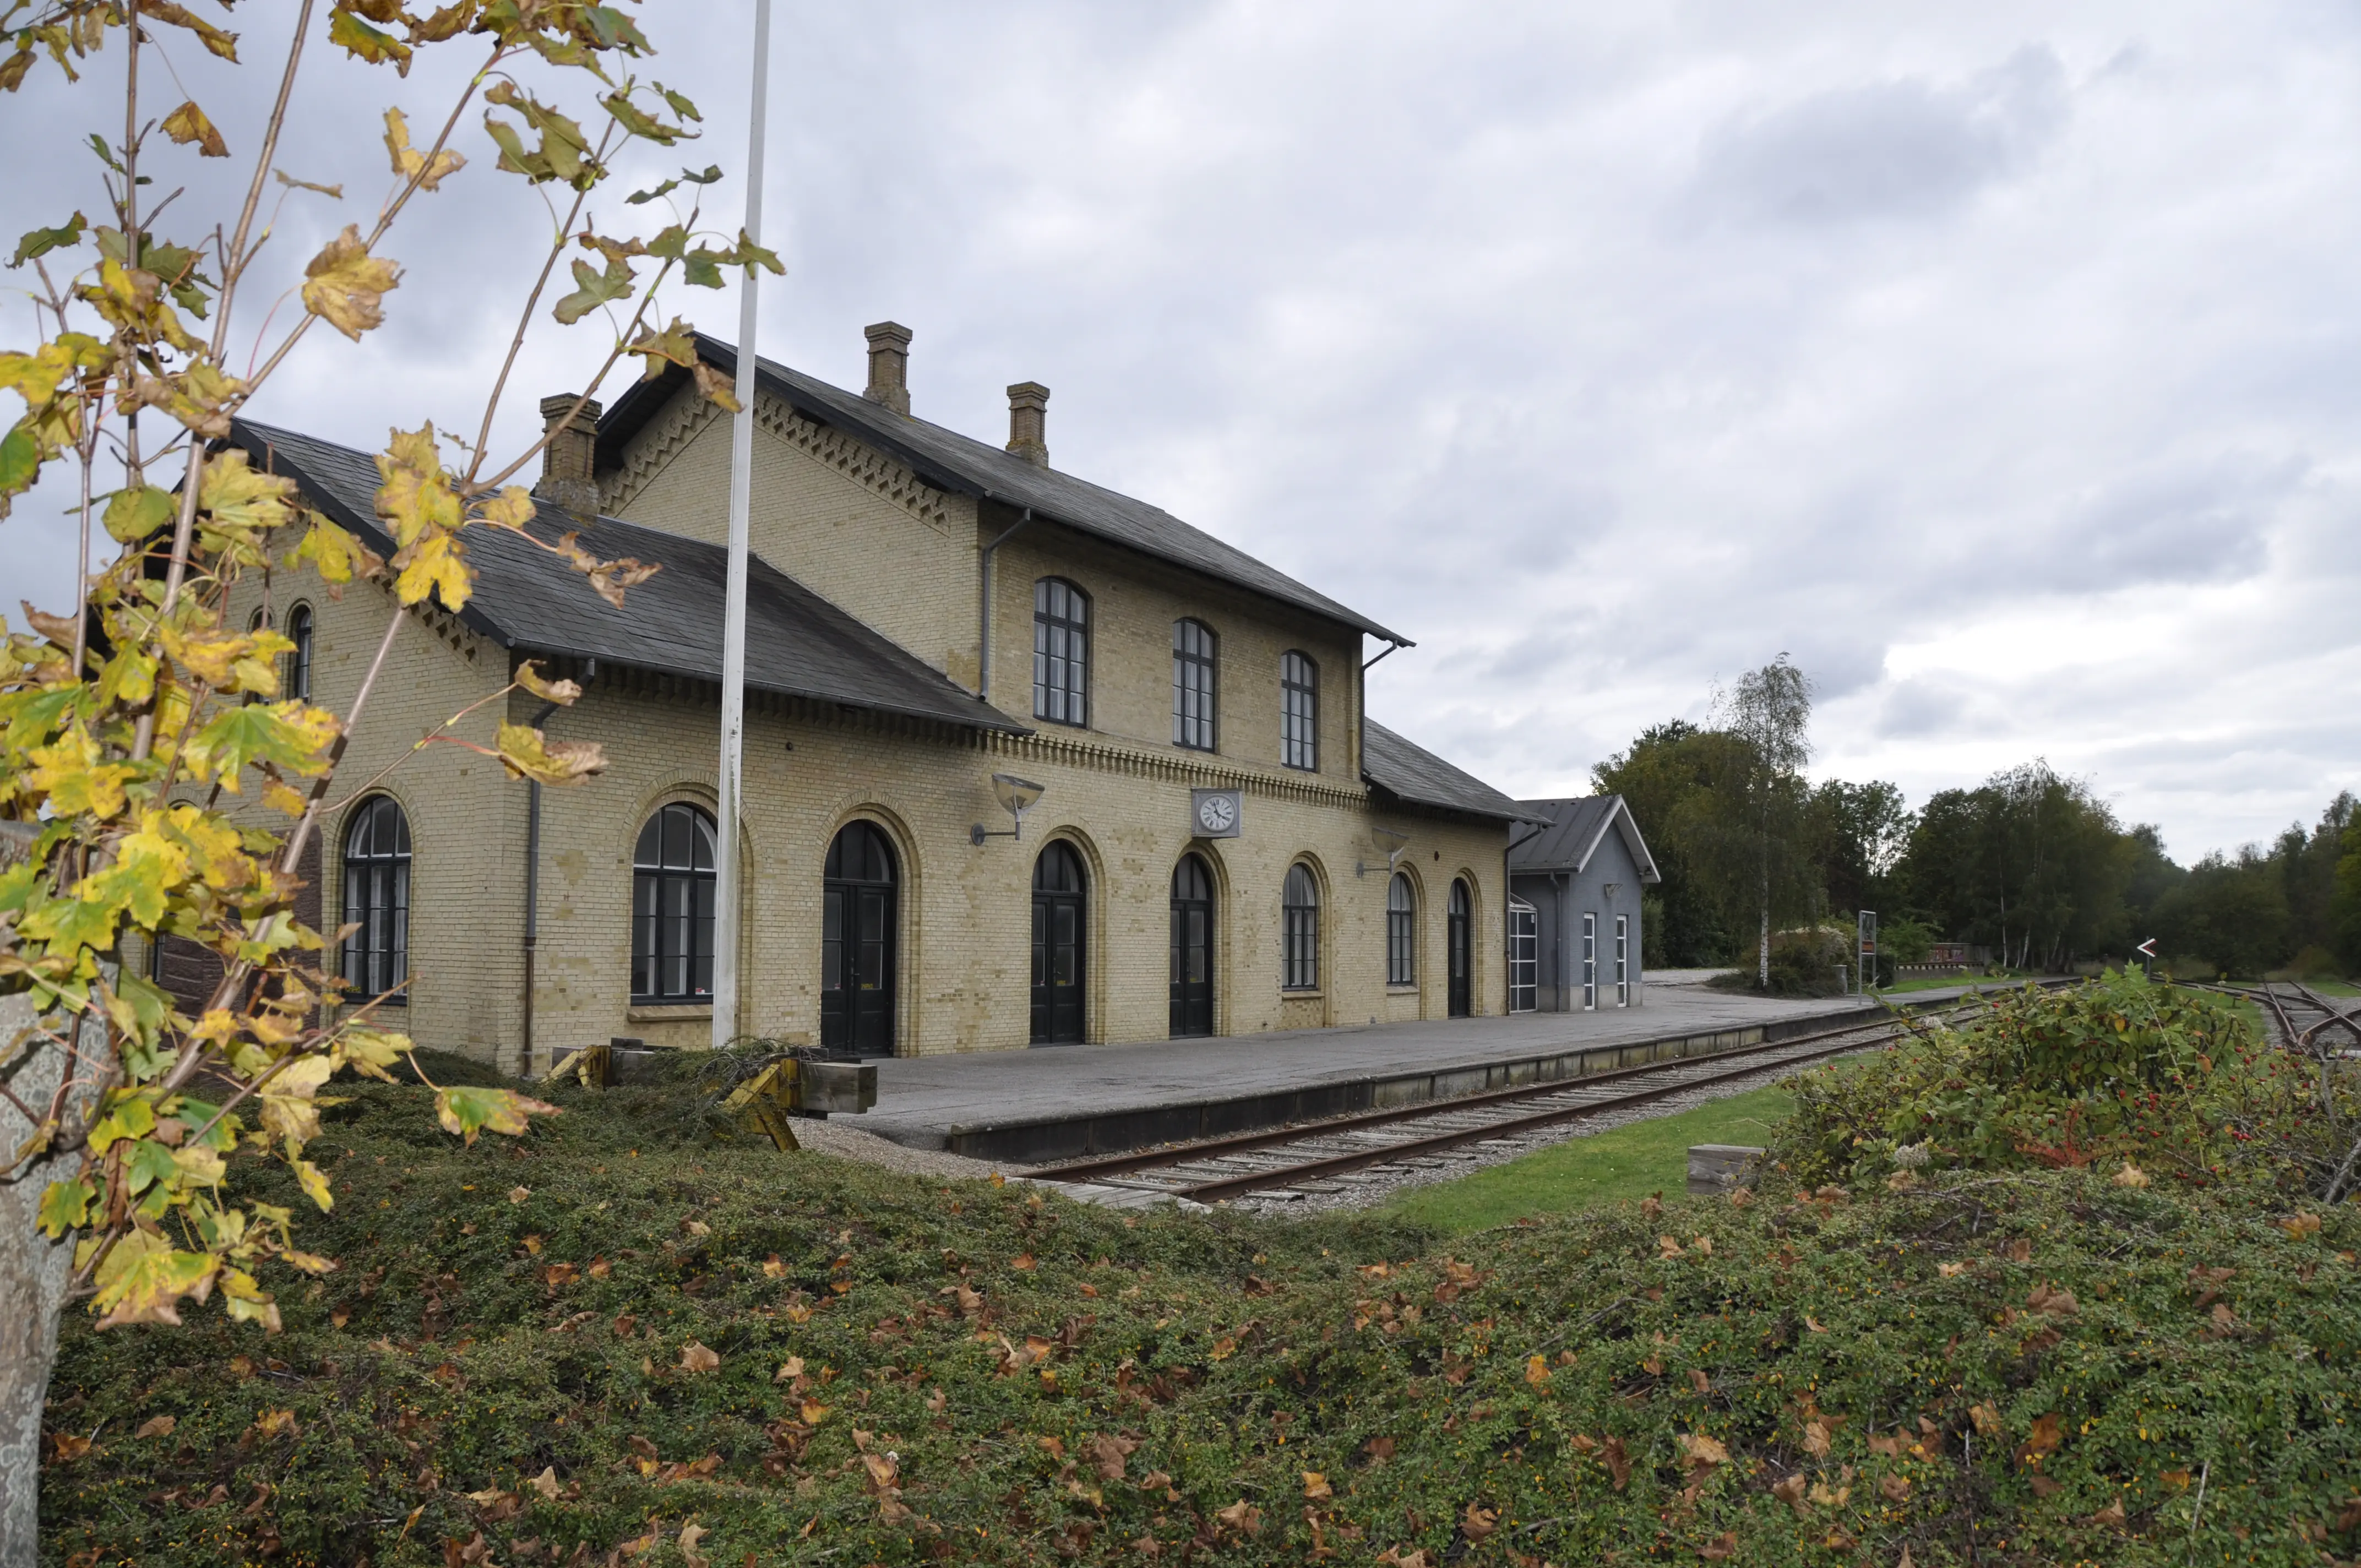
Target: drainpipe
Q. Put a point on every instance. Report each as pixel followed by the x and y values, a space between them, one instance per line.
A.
pixel 1363 724
pixel 533 873
pixel 984 609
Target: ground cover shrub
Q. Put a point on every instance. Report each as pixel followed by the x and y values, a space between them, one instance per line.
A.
pixel 2174 1082
pixel 613 1341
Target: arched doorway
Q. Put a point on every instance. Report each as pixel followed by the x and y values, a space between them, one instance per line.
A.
pixel 1456 946
pixel 1192 949
pixel 1057 945
pixel 858 920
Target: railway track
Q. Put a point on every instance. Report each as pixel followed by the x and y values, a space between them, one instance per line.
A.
pixel 1320 1156
pixel 2306 1020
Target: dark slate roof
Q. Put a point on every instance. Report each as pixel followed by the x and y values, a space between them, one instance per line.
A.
pixel 797 643
pixel 964 466
pixel 1576 828
pixel 1416 777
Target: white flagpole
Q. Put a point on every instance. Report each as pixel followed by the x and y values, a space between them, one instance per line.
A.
pixel 726 892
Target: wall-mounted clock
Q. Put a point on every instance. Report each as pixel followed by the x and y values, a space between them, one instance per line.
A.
pixel 1215 813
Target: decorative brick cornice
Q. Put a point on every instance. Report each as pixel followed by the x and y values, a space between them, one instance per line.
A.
pixel 1172 767
pixel 858 461
pixel 687 414
pixel 663 439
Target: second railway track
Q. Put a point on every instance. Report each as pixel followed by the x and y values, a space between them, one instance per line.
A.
pixel 1308 1158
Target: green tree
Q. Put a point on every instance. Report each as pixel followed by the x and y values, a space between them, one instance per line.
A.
pixel 153 777
pixel 1685 917
pixel 2230 914
pixel 1770 713
pixel 2029 862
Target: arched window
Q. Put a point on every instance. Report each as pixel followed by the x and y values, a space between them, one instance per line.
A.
pixel 377 901
pixel 1299 911
pixel 1401 932
pixel 295 677
pixel 671 907
pixel 1061 652
pixel 1192 684
pixel 1299 712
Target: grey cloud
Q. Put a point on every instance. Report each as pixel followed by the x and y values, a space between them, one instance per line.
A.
pixel 2176 521
pixel 1889 149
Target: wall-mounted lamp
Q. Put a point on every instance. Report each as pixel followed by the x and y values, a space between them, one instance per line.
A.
pixel 1016 796
pixel 1393 841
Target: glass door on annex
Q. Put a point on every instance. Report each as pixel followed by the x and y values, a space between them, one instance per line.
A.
pixel 1192 949
pixel 858 920
pixel 1057 945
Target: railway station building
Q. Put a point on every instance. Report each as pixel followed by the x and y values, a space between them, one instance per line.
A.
pixel 1219 840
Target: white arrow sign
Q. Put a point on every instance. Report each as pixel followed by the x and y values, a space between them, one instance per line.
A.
pixel 2147 948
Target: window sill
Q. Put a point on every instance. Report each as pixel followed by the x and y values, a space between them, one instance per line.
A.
pixel 667 1012
pixel 1401 988
pixel 1301 993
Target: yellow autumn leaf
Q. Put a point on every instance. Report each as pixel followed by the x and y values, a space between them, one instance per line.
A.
pixel 415 494
pixel 513 508
pixel 408 162
pixel 344 285
pixel 527 754
pixel 529 675
pixel 142 1280
pixel 434 563
pixel 188 124
pixel 239 498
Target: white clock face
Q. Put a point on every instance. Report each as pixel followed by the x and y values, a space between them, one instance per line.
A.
pixel 1216 812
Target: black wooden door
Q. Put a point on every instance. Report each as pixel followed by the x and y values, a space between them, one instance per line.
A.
pixel 1058 950
pixel 1192 949
pixel 1461 997
pixel 858 918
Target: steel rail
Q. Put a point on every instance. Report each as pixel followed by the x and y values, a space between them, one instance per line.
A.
pixel 1337 1164
pixel 1299 1131
pixel 1240 1143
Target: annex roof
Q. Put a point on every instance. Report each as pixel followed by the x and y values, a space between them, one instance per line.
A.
pixel 965 466
pixel 1415 776
pixel 1577 828
pixel 797 643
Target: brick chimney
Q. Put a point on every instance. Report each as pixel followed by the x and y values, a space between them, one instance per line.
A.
pixel 566 478
pixel 889 365
pixel 1028 411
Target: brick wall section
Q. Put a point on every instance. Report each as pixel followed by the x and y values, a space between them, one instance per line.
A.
pixel 860 529
pixel 467 820
pixel 964 970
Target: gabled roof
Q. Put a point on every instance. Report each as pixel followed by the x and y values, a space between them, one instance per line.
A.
pixel 1416 777
pixel 526 600
pixel 1577 828
pixel 964 466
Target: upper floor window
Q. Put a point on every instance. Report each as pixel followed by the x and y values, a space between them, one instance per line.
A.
pixel 1299 712
pixel 295 680
pixel 1061 652
pixel 673 881
pixel 1192 684
pixel 1298 910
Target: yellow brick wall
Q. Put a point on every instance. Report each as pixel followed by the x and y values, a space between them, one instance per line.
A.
pixel 466 819
pixel 1134 603
pixel 860 530
pixel 964 976
pixel 842 519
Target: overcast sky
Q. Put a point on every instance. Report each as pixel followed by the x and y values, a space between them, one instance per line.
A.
pixel 1998 362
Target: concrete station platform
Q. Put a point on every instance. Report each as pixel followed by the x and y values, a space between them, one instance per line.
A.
pixel 1063 1102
